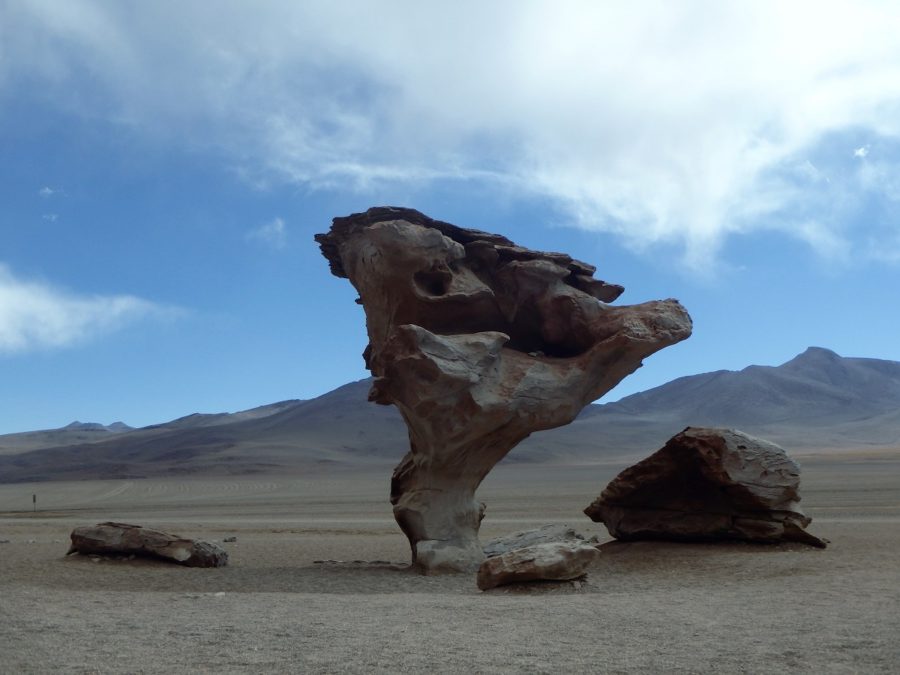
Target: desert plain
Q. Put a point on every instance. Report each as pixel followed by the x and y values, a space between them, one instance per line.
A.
pixel 318 582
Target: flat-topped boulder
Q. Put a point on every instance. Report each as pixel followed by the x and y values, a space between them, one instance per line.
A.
pixel 551 561
pixel 707 484
pixel 546 534
pixel 479 342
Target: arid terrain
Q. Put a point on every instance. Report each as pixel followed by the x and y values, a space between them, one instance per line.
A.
pixel 647 607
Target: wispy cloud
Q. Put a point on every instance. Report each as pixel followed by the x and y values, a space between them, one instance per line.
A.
pixel 50 217
pixel 882 178
pixel 272 234
pixel 35 315
pixel 661 122
pixel 47 191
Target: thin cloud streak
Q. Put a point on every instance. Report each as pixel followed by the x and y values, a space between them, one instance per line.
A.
pixel 36 316
pixel 273 233
pixel 661 122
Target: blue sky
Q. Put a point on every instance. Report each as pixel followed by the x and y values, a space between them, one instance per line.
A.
pixel 163 169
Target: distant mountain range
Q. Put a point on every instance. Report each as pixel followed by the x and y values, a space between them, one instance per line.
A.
pixel 818 401
pixel 76 432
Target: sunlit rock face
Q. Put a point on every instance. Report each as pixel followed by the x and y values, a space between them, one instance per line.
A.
pixel 479 342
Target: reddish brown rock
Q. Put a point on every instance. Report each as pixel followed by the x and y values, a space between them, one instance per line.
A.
pixel 554 561
pixel 707 484
pixel 479 342
pixel 123 539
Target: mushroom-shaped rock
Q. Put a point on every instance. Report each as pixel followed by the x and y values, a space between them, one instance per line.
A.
pixel 479 342
pixel 124 539
pixel 552 561
pixel 707 484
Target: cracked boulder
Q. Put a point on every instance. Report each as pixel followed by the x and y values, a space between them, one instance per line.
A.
pixel 124 539
pixel 707 484
pixel 545 534
pixel 552 561
pixel 479 342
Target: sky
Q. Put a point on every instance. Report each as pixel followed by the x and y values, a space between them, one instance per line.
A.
pixel 164 167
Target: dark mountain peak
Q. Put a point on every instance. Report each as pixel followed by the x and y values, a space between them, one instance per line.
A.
pixel 816 385
pixel 821 365
pixel 96 426
pixel 119 426
pixel 815 355
pixel 85 426
pixel 194 416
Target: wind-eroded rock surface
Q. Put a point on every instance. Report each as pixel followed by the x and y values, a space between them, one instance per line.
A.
pixel 546 534
pixel 124 539
pixel 479 342
pixel 553 561
pixel 707 484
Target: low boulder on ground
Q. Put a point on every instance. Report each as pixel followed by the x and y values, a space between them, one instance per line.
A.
pixel 707 484
pixel 554 561
pixel 542 535
pixel 124 539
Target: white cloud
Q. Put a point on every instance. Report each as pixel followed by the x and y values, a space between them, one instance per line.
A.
pixel 662 122
pixel 35 315
pixel 50 217
pixel 881 177
pixel 273 233
pixel 47 191
pixel 827 243
pixel 861 151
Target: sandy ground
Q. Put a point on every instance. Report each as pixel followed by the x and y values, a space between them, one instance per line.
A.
pixel 647 607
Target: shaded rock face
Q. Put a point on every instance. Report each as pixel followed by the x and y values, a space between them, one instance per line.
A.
pixel 543 535
pixel 124 539
pixel 553 561
pixel 707 484
pixel 479 342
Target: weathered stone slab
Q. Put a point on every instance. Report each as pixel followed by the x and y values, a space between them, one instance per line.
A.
pixel 545 534
pixel 124 539
pixel 554 561
pixel 707 484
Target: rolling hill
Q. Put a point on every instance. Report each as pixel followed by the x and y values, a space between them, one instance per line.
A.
pixel 816 401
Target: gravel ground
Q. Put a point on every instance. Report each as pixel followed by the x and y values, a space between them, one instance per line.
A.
pixel 647 607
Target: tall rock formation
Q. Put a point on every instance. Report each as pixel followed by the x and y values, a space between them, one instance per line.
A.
pixel 479 342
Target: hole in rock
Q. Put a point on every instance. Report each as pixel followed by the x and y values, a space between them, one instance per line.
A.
pixel 533 346
pixel 433 282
